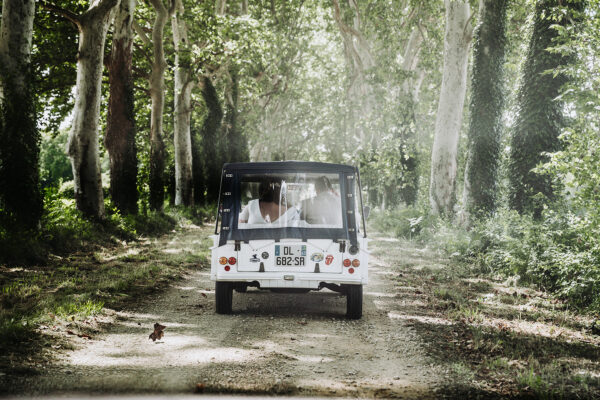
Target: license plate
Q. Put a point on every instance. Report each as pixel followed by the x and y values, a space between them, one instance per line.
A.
pixel 290 255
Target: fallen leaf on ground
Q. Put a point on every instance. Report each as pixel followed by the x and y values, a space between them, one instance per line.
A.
pixel 158 332
pixel 81 335
pixel 203 294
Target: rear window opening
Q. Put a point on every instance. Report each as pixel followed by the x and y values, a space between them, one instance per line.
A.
pixel 301 200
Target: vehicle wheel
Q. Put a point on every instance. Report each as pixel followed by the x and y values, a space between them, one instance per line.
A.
pixel 241 287
pixel 223 297
pixel 354 300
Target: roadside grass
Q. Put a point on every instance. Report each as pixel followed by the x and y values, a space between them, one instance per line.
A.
pixel 40 305
pixel 492 335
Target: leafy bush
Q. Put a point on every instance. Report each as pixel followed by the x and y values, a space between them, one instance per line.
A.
pixel 407 222
pixel 559 253
pixel 63 226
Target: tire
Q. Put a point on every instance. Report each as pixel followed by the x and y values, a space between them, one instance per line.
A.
pixel 223 297
pixel 354 300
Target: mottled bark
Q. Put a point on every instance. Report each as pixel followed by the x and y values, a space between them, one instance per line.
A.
pixel 184 188
pixel 408 178
pixel 15 41
pixel 485 123
pixel 20 197
pixel 157 95
pixel 120 132
pixel 540 118
pixel 210 128
pixel 83 139
pixel 450 108
pixel 234 145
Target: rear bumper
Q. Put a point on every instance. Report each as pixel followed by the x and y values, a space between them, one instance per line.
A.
pixel 289 279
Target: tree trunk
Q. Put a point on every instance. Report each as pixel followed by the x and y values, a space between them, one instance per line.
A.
pixel 120 131
pixel 408 177
pixel 234 144
pixel 210 128
pixel 450 108
pixel 540 118
pixel 20 197
pixel 220 6
pixel 485 123
pixel 157 94
pixel 83 140
pixel 359 59
pixel 198 178
pixel 184 188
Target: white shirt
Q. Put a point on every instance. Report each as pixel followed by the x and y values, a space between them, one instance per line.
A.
pixel 325 208
pixel 251 213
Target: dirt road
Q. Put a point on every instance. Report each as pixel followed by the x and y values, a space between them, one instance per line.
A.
pixel 272 344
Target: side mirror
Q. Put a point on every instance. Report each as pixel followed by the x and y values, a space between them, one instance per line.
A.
pixel 366 211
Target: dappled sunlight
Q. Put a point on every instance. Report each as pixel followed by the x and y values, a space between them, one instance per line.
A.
pixel 382 272
pixel 178 350
pixel 412 303
pixel 185 288
pixel 420 318
pixel 407 288
pixel 290 351
pixel 111 256
pixel 534 328
pixel 174 250
pixel 379 294
pixel 135 315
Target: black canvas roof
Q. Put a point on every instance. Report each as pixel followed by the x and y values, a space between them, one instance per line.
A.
pixel 292 166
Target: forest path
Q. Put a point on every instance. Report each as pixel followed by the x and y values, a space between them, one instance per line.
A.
pixel 271 344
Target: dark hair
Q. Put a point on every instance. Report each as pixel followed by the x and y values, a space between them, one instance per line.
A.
pixel 269 191
pixel 322 184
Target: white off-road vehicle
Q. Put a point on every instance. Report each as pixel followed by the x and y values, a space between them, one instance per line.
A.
pixel 292 226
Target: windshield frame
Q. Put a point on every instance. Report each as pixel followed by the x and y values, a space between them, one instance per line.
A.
pixel 230 203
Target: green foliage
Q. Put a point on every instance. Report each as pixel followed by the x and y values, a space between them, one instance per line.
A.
pixel 64 227
pixel 559 253
pixel 54 163
pixel 53 59
pixel 560 250
pixel 407 222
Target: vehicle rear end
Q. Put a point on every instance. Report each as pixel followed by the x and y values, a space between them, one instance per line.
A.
pixel 314 243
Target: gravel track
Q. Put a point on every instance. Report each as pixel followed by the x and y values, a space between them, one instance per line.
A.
pixel 273 343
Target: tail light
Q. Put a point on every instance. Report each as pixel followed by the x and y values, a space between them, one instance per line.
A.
pixel 232 260
pixel 347 262
pixel 351 270
pixel 356 263
pixel 223 260
pixel 227 268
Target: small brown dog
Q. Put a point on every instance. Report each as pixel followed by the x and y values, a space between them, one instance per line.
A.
pixel 158 332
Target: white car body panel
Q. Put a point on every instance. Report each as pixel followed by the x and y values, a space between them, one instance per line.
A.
pixel 247 268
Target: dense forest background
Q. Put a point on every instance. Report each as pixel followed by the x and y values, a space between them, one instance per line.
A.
pixel 474 124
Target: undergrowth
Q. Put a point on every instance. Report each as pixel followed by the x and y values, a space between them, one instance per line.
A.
pixel 559 253
pixel 71 267
pixel 63 229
